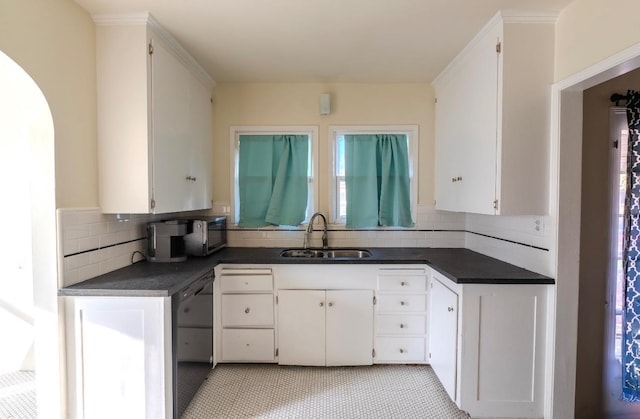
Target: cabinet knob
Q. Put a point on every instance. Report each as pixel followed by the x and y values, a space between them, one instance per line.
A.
pixel 401 350
pixel 246 310
pixel 459 178
pixel 453 179
pixel 449 309
pixel 330 304
pixel 401 326
pixel 402 303
pixel 402 284
pixel 321 303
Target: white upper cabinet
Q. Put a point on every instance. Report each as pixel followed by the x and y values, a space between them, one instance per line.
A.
pixel 154 120
pixel 492 120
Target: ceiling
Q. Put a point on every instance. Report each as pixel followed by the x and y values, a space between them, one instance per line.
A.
pixel 322 40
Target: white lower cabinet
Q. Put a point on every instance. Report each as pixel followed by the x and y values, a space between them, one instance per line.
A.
pixel 325 327
pixel 401 315
pixel 246 314
pixel 119 356
pixel 497 333
pixel 443 335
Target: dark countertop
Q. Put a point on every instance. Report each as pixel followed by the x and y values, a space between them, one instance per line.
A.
pixel 145 279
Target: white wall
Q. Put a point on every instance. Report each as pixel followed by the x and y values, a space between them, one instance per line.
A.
pixel 54 42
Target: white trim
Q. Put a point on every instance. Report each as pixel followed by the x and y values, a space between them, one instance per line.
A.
pixel 412 132
pixel 147 19
pixel 566 133
pixel 236 130
pixel 505 16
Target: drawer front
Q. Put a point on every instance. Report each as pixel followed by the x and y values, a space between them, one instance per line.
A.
pixel 402 283
pixel 239 283
pixel 197 313
pixel 400 325
pixel 391 349
pixel 195 344
pixel 248 345
pixel 402 302
pixel 247 310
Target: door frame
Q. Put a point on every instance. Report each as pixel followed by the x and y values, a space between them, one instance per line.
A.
pixel 564 208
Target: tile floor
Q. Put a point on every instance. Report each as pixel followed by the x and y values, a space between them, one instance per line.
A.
pixel 277 392
pixel 18 395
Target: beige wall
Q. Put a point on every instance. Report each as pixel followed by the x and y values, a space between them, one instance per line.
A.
pixel 54 42
pixel 297 104
pixel 589 31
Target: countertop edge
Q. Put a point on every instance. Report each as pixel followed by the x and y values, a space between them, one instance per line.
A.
pixel 199 266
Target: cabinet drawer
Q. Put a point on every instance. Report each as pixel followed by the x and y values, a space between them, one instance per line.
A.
pixel 389 349
pixel 197 313
pixel 247 310
pixel 248 345
pixel 195 344
pixel 238 283
pixel 400 325
pixel 402 283
pixel 402 302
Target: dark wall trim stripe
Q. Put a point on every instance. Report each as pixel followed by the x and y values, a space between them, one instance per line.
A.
pixel 509 241
pixel 334 230
pixel 104 247
pixel 402 230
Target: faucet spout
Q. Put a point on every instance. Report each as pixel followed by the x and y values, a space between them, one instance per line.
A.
pixel 325 241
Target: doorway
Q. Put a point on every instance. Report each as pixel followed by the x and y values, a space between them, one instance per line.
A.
pixel 29 312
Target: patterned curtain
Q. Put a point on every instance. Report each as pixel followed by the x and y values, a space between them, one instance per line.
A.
pixel 631 345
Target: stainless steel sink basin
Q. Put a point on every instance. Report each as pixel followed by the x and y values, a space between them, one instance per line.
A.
pixel 326 253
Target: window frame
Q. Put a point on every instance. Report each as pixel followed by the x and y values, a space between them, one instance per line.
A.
pixel 235 131
pixel 412 133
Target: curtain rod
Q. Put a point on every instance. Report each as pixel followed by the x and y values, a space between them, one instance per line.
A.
pixel 617 97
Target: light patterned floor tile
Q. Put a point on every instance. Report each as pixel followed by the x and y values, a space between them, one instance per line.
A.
pixel 277 392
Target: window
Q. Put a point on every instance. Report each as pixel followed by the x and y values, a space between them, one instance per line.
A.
pixel 265 188
pixel 339 171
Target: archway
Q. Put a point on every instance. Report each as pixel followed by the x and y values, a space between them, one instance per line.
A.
pixel 28 278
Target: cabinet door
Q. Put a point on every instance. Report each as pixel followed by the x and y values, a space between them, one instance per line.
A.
pixel 181 131
pixel 467 129
pixel 301 327
pixel 443 335
pixel 122 357
pixel 349 327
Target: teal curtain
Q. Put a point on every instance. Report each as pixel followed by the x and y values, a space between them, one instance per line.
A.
pixel 272 179
pixel 377 180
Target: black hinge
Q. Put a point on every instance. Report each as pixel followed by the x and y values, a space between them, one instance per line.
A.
pixel 277 351
pixel 373 353
pixel 276 299
pixel 499 47
pixel 150 48
pixel 375 300
pixel 435 100
pixel 615 144
pixel 153 203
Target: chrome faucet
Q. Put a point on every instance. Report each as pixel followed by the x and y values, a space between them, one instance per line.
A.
pixel 325 244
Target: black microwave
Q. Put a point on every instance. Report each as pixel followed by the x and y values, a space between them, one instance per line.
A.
pixel 205 235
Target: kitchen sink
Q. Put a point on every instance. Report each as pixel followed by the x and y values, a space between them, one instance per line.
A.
pixel 326 253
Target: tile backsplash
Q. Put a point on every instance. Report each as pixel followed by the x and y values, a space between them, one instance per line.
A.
pixel 92 243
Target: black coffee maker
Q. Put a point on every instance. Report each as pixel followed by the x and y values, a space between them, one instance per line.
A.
pixel 166 241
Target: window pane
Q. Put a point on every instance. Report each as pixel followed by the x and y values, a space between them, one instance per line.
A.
pixel 340 156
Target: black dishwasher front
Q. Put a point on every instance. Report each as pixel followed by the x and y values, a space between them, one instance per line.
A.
pixel 192 329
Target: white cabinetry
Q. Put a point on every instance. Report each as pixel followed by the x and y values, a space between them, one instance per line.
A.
pixel 154 120
pixel 443 335
pixel 499 347
pixel 401 310
pixel 246 315
pixel 492 120
pixel 318 327
pixel 119 355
